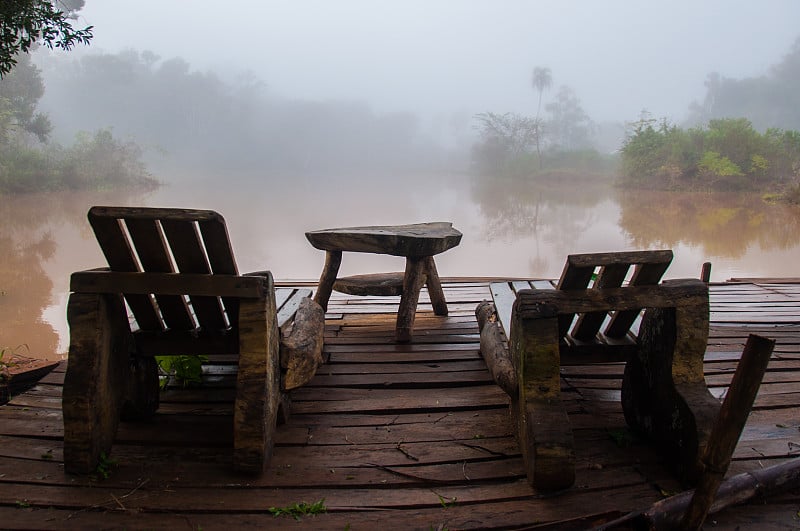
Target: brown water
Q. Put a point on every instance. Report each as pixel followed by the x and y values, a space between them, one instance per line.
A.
pixel 509 230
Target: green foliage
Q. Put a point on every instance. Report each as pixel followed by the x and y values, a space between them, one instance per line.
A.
pixel 26 23
pixel 715 164
pixel 96 161
pixel 729 154
pixel 104 466
pixel 297 510
pixel 186 370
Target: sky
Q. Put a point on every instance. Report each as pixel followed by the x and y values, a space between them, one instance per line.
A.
pixel 437 57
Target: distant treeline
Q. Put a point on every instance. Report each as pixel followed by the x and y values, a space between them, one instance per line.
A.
pixel 728 154
pixel 226 123
pixel 768 101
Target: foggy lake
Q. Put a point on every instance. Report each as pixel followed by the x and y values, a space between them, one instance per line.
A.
pixel 510 230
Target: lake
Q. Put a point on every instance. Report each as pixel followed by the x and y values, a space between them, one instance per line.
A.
pixel 510 230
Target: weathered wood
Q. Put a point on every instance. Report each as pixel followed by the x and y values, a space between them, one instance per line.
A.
pixel 258 384
pixel 413 281
pixel 301 345
pixel 117 249
pixel 151 250
pixel 103 281
pixel 383 284
pixel 664 394
pixel 545 436
pixel 434 285
pixel 198 243
pixel 333 259
pixel 418 243
pixel 667 514
pixel 416 240
pixel 493 350
pixel 728 427
pixel 187 249
pixel 684 292
pixel 96 378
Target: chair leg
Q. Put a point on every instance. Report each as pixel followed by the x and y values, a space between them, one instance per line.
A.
pixel 96 378
pixel 142 397
pixel 664 394
pixel 543 427
pixel 413 280
pixel 258 384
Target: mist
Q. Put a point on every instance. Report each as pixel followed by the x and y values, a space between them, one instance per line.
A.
pixel 433 58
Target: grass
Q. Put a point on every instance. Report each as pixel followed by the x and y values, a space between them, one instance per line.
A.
pixel 298 510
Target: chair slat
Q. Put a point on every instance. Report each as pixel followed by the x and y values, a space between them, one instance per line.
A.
pixel 610 276
pixel 190 257
pixel 152 251
pixel 644 275
pixel 220 258
pixel 572 277
pixel 119 254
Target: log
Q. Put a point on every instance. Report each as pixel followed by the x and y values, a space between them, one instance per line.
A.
pixel 493 350
pixel 667 514
pixel 301 345
pixel 728 427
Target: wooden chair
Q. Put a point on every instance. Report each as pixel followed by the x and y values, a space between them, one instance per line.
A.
pixel 174 269
pixel 591 317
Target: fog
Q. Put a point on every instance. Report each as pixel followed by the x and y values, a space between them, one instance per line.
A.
pixel 436 58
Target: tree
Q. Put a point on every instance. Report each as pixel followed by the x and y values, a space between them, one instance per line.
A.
pixel 504 138
pixel 26 23
pixel 542 79
pixel 20 92
pixel 569 127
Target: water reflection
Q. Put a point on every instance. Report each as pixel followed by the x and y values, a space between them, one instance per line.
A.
pixel 510 229
pixel 43 238
pixel 724 225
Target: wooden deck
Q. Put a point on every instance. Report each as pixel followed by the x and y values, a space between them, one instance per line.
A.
pixel 412 436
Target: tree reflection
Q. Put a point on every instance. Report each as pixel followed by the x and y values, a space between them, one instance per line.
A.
pixel 552 210
pixel 43 239
pixel 724 224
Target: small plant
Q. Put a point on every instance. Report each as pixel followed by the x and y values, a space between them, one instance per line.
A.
pixel 186 370
pixel 297 510
pixel 104 466
pixel 447 502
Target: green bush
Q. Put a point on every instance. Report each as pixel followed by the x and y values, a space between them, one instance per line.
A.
pixel 729 154
pixel 95 162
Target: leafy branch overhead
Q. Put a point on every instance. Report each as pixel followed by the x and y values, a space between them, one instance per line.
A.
pixel 26 23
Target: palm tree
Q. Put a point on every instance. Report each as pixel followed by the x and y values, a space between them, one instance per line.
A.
pixel 542 79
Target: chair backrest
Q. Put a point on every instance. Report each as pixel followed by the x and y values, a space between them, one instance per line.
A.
pixel 169 240
pixel 601 271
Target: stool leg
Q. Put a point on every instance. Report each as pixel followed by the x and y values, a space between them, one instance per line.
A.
pixel 435 287
pixel 412 282
pixel 333 259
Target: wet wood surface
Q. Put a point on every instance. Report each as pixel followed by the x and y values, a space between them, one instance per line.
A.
pixel 413 434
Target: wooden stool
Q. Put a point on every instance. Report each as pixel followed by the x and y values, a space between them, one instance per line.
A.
pixel 418 243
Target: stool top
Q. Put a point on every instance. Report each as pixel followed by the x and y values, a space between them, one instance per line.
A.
pixel 416 240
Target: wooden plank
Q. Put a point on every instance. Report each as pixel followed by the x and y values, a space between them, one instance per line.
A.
pixel 289 307
pixel 503 296
pixel 677 293
pixel 118 252
pixel 187 249
pixel 610 276
pixel 151 250
pixel 645 274
pixel 99 281
pixel 220 257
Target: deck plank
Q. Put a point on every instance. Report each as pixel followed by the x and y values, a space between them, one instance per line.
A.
pixel 414 434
